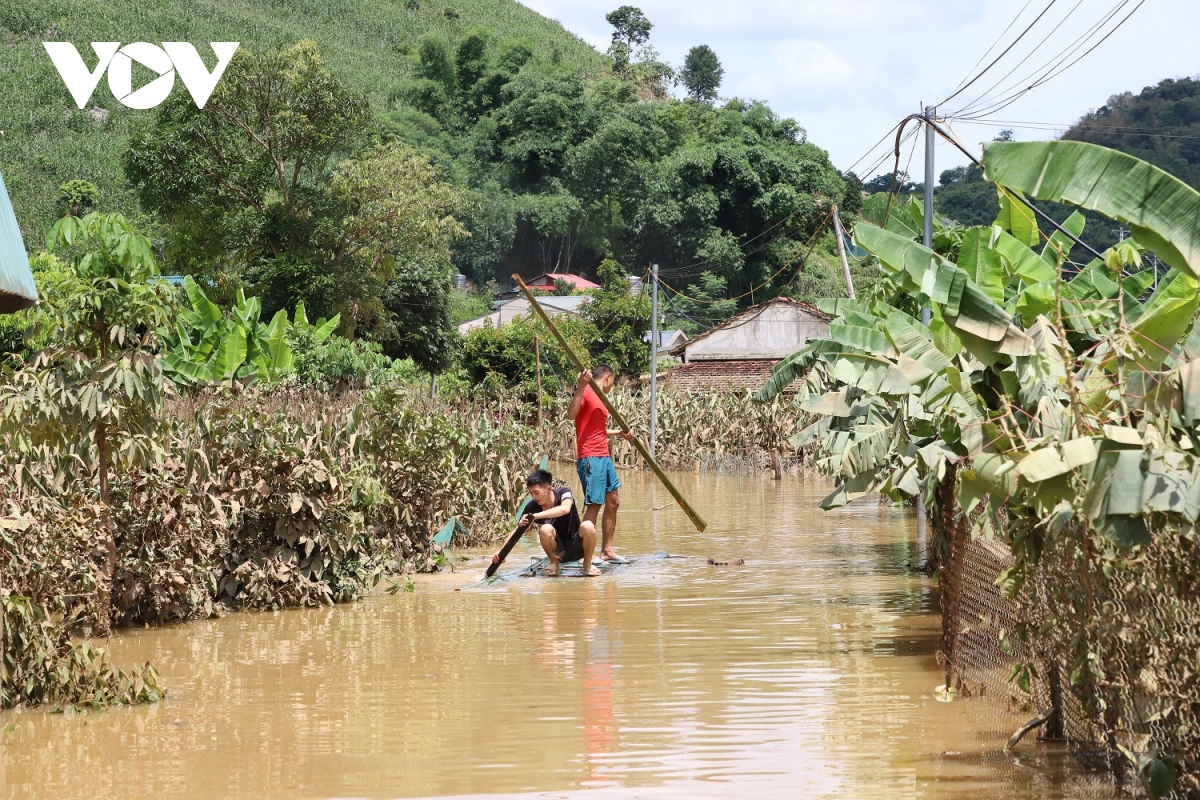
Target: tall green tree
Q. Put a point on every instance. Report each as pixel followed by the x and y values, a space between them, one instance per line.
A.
pixel 621 319
pixel 275 186
pixel 702 73
pixel 631 29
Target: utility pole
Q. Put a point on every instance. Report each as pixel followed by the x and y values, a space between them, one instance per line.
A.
pixel 837 229
pixel 930 140
pixel 653 358
pixel 537 354
pixel 926 312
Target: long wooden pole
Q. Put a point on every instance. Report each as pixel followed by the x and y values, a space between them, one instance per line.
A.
pixel 841 243
pixel 700 524
pixel 537 350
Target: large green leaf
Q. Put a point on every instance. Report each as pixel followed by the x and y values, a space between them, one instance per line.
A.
pixel 1059 247
pixel 325 328
pixel 794 367
pixel 207 312
pixel 1024 261
pixel 869 340
pixel 982 263
pixel 232 353
pixel 1016 218
pixel 1162 211
pixel 1156 334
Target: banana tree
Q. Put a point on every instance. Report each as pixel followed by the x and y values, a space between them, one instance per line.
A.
pixel 206 346
pixel 1065 407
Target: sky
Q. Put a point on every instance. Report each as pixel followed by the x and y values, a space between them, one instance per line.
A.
pixel 849 70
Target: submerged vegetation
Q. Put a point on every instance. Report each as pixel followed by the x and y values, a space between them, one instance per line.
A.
pixel 1053 411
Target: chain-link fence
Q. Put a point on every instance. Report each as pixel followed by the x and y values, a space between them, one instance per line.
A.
pixel 1107 641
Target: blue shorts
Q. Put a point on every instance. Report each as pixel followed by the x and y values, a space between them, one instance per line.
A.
pixel 598 476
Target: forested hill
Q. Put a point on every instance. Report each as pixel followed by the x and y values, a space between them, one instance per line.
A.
pixel 1160 125
pixel 46 140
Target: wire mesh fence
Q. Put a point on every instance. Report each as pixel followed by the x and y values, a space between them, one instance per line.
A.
pixel 1107 642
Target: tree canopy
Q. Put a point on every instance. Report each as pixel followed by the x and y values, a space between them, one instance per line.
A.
pixel 702 73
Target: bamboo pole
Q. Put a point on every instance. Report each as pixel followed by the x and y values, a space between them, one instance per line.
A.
pixel 700 524
pixel 537 350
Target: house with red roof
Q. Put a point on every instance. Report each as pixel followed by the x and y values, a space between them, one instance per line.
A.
pixel 546 281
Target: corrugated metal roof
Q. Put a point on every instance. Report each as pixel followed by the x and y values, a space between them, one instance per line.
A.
pixel 17 289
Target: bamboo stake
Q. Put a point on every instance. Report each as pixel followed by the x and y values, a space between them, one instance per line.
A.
pixel 700 524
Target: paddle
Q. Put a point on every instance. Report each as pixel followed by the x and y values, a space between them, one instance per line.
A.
pixel 504 551
pixel 637 443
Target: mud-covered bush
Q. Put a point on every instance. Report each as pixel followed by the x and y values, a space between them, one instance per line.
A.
pixel 42 665
pixel 167 541
pixel 302 520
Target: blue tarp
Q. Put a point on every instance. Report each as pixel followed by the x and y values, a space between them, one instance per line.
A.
pixel 17 289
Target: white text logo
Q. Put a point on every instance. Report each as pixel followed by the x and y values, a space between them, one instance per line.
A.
pixel 171 58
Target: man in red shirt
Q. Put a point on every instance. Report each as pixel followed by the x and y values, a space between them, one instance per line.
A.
pixel 597 473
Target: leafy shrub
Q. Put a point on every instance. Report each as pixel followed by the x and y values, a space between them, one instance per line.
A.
pixel 337 360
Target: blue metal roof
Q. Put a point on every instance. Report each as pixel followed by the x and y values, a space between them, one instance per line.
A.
pixel 17 289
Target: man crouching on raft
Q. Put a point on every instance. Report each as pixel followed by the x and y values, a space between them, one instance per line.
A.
pixel 597 473
pixel 559 531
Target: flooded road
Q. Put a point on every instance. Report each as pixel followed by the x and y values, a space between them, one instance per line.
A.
pixel 807 672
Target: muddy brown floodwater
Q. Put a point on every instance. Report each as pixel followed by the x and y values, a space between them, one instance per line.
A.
pixel 807 672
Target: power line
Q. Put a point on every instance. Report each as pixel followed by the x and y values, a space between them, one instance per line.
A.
pixel 1031 53
pixel 1057 68
pixel 988 52
pixel 1078 42
pixel 1129 130
pixel 1002 55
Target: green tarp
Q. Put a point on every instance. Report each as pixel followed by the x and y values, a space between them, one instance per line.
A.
pixel 17 289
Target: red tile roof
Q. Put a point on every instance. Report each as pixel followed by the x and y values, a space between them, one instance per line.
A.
pixel 549 278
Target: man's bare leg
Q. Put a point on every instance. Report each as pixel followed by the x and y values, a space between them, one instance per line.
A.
pixel 550 545
pixel 612 501
pixel 587 533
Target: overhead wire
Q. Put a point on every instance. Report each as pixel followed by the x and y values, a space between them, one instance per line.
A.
pixel 1052 68
pixel 811 243
pixel 1128 130
pixel 999 38
pixel 1046 68
pixel 1034 50
pixel 984 71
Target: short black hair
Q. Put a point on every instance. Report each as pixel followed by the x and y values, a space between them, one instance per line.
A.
pixel 539 477
pixel 600 370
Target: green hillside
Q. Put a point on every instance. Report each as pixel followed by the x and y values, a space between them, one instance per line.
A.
pixel 46 140
pixel 1161 125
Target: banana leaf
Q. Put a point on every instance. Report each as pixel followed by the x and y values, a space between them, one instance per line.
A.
pixel 1162 211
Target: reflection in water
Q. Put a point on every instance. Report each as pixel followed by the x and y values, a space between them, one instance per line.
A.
pixel 807 672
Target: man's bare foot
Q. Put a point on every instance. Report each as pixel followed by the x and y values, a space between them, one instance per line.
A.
pixel 610 555
pixel 551 571
pixel 592 572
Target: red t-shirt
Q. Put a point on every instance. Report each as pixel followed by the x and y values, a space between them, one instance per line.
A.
pixel 591 426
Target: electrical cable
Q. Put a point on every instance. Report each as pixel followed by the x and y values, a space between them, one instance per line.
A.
pixel 954 141
pixel 988 52
pixel 1052 71
pixel 812 239
pixel 1002 55
pixel 1031 53
pixel 1042 71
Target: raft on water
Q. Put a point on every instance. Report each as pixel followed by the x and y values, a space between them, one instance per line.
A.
pixel 572 569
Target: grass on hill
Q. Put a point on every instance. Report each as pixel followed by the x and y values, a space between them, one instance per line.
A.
pixel 45 140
